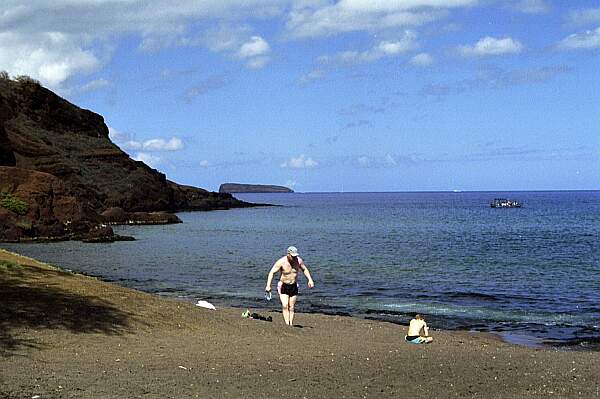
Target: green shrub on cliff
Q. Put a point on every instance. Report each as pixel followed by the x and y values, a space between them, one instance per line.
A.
pixel 12 203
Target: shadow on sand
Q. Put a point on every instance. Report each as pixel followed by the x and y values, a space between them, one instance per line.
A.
pixel 30 299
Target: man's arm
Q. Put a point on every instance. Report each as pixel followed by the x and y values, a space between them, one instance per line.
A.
pixel 274 270
pixel 311 283
pixel 425 329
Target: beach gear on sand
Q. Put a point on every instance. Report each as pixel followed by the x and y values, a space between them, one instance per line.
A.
pixel 207 305
pixel 255 316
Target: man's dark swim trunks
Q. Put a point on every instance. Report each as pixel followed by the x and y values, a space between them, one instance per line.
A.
pixel 289 289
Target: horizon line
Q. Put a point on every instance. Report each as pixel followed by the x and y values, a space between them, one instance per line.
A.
pixel 428 191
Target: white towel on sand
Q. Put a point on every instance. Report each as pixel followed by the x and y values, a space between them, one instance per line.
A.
pixel 207 305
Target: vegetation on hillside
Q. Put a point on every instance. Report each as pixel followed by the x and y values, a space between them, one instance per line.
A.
pixel 8 265
pixel 13 204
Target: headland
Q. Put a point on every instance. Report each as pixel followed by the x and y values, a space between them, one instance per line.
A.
pixel 61 176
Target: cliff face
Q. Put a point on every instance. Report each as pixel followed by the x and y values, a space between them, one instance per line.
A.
pixel 50 146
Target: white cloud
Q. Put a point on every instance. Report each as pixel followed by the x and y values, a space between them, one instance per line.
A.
pixel 422 59
pixel 255 51
pixel 50 57
pixel 382 50
pixel 204 163
pixel 174 144
pixel 117 135
pixel 55 40
pixel 158 18
pixel 151 160
pixel 236 42
pixel 587 16
pixel 532 6
pixel 392 48
pixel 132 145
pixel 126 142
pixel 223 38
pixel 300 162
pixel 366 15
pixel 581 41
pixel 254 47
pixel 231 41
pixel 492 46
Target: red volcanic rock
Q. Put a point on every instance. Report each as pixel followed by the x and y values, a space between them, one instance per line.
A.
pixel 8 226
pixel 53 209
pixel 114 215
pixel 119 216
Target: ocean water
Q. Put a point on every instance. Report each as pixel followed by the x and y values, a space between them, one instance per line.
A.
pixel 530 274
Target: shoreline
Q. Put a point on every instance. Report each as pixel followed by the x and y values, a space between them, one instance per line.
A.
pixel 69 335
pixel 516 337
pixel 507 336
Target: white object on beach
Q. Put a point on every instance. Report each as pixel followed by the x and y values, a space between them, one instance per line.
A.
pixel 207 305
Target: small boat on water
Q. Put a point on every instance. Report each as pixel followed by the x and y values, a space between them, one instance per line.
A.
pixel 504 203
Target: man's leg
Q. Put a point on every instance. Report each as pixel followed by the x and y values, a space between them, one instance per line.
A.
pixel 285 303
pixel 292 302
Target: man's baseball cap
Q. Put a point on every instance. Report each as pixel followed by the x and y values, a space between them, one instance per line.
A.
pixel 292 251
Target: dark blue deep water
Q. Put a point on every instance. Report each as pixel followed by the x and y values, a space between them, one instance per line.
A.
pixel 530 274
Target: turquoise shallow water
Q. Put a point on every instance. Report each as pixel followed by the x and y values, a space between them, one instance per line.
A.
pixel 531 274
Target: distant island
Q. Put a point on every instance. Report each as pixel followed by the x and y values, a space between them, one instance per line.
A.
pixel 252 188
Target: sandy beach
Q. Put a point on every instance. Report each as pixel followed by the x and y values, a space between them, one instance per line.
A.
pixel 70 336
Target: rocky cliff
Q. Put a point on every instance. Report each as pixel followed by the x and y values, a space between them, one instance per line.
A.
pixel 58 163
pixel 252 188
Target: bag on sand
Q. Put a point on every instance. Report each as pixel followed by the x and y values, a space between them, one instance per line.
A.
pixel 255 316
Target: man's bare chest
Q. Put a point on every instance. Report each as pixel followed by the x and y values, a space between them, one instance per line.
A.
pixel 288 268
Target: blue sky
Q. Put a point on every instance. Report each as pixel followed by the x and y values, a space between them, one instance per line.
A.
pixel 353 95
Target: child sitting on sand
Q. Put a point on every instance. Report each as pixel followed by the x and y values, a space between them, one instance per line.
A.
pixel 414 331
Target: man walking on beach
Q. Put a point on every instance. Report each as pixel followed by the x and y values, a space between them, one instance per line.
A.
pixel 289 266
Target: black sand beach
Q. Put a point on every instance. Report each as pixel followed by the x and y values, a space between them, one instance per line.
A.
pixel 65 336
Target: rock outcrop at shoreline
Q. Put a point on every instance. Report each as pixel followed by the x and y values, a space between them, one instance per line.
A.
pixel 59 173
pixel 252 188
